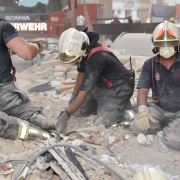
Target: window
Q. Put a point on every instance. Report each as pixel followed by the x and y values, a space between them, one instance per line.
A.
pixel 30 6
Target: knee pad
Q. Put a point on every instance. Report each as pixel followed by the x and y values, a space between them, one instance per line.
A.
pixel 129 114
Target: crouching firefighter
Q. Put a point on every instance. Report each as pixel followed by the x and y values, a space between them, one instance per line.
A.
pixel 162 74
pixel 19 117
pixel 102 87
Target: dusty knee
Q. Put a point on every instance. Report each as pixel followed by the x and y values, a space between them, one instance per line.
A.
pixel 42 121
pixel 133 127
pixel 172 138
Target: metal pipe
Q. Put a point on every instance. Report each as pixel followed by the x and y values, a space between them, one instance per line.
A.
pixel 74 147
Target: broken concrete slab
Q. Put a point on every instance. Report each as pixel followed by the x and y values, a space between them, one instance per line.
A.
pixel 42 65
pixel 60 69
pixel 59 74
pixel 72 74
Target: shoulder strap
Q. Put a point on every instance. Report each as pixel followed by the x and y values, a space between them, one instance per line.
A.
pixel 102 48
pixel 154 87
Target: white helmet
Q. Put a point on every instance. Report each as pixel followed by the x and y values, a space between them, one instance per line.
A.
pixel 72 45
pixel 150 174
pixel 166 34
pixel 80 21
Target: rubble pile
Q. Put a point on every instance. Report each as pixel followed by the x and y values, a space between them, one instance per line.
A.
pixel 116 146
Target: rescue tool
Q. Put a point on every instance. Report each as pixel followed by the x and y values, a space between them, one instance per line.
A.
pixel 131 75
pixel 47 87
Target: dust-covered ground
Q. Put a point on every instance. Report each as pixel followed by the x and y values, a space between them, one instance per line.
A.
pixel 126 156
pixel 126 152
pixel 123 156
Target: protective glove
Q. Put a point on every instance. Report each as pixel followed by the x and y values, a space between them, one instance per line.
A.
pixel 39 44
pixel 73 97
pixel 142 120
pixel 61 124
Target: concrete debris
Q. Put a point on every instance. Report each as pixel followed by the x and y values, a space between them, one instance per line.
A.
pixel 60 69
pixel 48 107
pixel 150 137
pixel 72 74
pixel 9 171
pixel 59 74
pixel 77 142
pixel 127 136
pixel 141 139
pixel 107 159
pixel 160 135
pixel 102 134
pixel 56 84
pixel 145 140
pixel 122 156
pixel 50 93
pixel 111 139
pixel 85 135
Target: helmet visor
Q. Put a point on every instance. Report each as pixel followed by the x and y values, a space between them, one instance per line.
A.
pixel 166 43
pixel 66 58
pixel 70 53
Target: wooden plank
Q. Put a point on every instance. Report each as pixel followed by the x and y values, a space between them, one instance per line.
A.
pixel 75 161
pixel 90 141
pixel 63 161
pixel 65 88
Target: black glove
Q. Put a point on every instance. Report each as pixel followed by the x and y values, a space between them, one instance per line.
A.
pixel 39 44
pixel 73 97
pixel 61 124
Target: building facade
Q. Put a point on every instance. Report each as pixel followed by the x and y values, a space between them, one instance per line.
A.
pixel 133 8
pixel 166 2
pixel 105 7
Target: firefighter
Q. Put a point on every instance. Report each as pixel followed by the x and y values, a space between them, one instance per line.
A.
pixel 102 85
pixel 116 20
pixel 172 20
pixel 162 74
pixel 19 117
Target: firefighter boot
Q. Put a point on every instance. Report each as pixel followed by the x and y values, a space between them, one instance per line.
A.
pixel 15 128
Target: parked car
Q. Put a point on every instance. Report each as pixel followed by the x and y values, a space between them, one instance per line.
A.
pixel 135 44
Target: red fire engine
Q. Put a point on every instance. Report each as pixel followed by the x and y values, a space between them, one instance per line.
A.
pixel 42 19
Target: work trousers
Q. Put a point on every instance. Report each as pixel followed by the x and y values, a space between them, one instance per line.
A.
pixel 15 103
pixel 107 104
pixel 166 121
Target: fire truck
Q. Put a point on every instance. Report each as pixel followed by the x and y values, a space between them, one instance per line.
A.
pixel 44 20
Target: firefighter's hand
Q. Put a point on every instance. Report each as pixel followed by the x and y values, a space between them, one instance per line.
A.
pixel 39 44
pixel 61 124
pixel 142 120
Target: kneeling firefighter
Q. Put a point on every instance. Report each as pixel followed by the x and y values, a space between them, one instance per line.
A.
pixel 103 87
pixel 162 74
pixel 19 117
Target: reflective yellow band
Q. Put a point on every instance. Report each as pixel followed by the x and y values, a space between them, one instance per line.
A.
pixel 38 132
pixel 27 131
pixel 130 113
pixel 23 129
